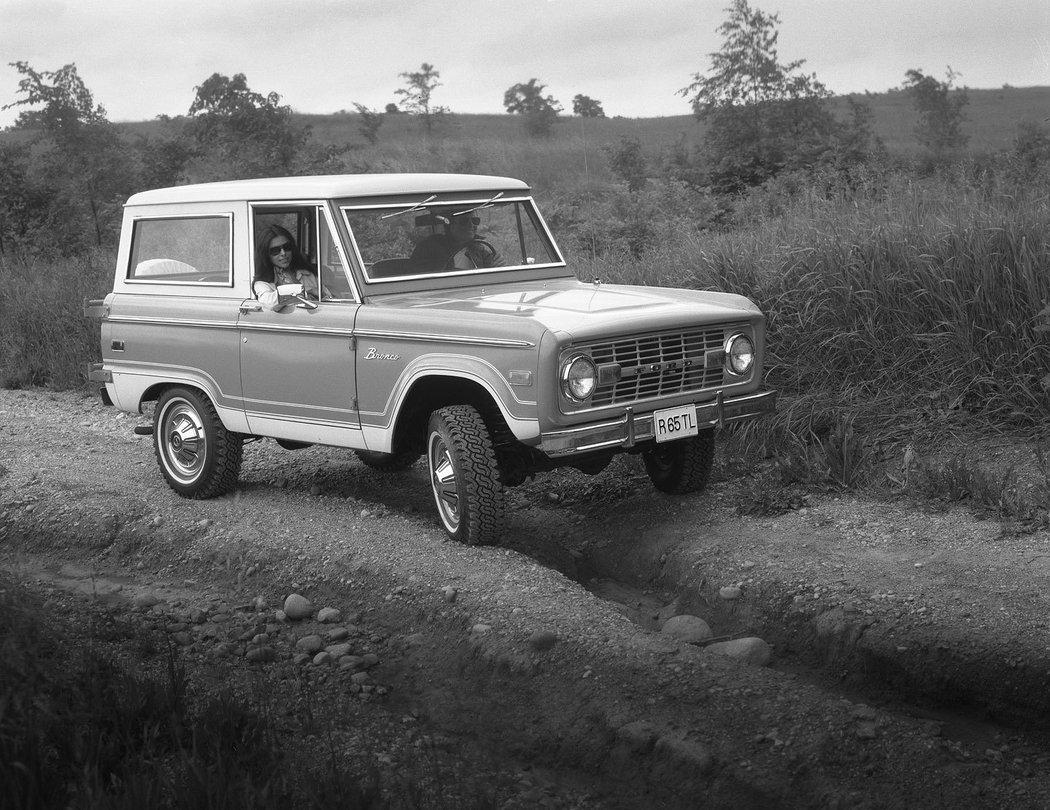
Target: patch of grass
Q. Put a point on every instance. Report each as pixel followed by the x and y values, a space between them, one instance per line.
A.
pixel 47 340
pixel 81 728
pixel 1000 494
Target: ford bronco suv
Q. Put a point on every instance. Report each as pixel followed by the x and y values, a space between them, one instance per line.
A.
pixel 446 324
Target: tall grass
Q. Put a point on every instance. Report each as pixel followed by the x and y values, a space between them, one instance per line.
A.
pixel 46 339
pixel 890 301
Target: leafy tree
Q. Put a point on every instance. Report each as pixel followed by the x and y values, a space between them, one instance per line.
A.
pixel 628 162
pixel 940 109
pixel 420 85
pixel 392 109
pixel 762 116
pixel 246 133
pixel 78 164
pixel 371 121
pixel 540 111
pixel 1031 147
pixel 587 107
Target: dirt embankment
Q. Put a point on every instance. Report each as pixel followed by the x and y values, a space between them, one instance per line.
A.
pixel 542 660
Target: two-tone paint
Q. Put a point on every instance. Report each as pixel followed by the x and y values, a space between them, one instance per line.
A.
pixel 340 373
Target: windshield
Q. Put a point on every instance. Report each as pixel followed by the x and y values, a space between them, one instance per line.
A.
pixel 429 237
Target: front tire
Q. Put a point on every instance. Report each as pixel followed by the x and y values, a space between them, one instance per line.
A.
pixel 681 466
pixel 198 456
pixel 464 476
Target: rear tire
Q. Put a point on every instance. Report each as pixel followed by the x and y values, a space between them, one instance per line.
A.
pixel 198 456
pixel 681 466
pixel 464 476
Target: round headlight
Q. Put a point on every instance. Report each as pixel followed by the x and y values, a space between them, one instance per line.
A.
pixel 740 354
pixel 578 377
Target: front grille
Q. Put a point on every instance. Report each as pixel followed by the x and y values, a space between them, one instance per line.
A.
pixel 657 365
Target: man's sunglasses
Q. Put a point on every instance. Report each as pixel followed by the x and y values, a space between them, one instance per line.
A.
pixel 475 220
pixel 287 246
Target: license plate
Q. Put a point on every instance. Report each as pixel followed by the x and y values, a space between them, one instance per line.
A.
pixel 675 423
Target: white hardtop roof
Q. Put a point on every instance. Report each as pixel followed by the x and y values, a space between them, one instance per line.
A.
pixel 327 186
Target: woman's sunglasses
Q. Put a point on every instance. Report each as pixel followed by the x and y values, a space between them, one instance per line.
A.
pixel 286 246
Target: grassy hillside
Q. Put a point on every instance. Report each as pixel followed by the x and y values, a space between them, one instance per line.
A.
pixel 572 157
pixel 991 120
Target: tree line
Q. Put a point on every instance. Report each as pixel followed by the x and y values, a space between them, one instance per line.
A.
pixel 63 182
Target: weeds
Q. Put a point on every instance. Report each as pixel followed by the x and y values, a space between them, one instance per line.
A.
pixel 77 728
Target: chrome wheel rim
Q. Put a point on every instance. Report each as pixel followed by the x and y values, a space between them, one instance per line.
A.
pixel 443 482
pixel 184 442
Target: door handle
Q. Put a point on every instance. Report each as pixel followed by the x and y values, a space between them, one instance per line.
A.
pixel 250 306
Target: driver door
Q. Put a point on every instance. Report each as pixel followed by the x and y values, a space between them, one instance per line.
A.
pixel 297 363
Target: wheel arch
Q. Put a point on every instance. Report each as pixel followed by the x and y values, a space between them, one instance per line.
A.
pixel 231 416
pixel 430 392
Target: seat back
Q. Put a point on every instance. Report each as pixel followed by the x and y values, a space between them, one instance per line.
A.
pixel 386 268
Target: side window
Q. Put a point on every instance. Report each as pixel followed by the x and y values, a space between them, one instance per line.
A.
pixel 330 262
pixel 182 250
pixel 306 227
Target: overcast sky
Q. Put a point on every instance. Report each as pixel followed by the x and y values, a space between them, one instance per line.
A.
pixel 143 58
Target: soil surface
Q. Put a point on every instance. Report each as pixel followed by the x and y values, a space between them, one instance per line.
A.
pixel 910 643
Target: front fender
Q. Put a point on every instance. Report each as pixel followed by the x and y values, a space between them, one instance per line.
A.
pixel 516 402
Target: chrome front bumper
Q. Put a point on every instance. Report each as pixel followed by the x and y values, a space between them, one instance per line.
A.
pixel 628 430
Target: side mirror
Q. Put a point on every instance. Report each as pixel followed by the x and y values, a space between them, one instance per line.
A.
pixel 305 303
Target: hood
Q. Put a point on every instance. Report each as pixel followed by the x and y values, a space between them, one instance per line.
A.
pixel 571 307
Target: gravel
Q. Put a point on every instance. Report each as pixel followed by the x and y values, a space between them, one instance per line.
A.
pixel 537 661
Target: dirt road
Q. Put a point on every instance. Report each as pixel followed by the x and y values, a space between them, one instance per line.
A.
pixel 910 646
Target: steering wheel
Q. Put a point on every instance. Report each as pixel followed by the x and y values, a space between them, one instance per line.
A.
pixel 451 262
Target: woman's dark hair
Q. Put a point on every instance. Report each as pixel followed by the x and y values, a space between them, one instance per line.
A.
pixel 264 270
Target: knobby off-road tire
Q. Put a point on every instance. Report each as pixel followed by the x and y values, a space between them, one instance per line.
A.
pixel 197 455
pixel 388 462
pixel 681 466
pixel 464 476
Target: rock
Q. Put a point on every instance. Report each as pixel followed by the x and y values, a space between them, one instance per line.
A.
pixel 261 655
pixel 353 663
pixel 310 644
pixel 414 640
pixel 480 629
pixel 145 600
pixel 690 629
pixel 338 650
pixel 329 615
pixel 338 634
pixel 542 640
pixel 450 594
pixel 692 756
pixel 750 650
pixel 370 660
pixel 322 658
pixel 298 607
pixel 730 592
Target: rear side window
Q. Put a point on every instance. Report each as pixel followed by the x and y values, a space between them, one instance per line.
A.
pixel 182 250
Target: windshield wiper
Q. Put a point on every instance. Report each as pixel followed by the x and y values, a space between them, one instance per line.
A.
pixel 486 204
pixel 417 207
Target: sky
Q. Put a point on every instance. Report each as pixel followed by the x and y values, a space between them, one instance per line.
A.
pixel 143 58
